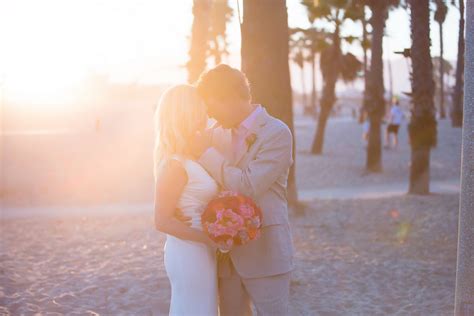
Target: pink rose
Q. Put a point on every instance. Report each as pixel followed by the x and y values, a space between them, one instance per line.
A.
pixel 246 210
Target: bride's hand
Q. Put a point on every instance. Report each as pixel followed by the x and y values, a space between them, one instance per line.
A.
pixel 211 243
pixel 224 248
pixel 215 246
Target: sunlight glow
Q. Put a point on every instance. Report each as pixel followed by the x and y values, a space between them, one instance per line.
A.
pixel 50 46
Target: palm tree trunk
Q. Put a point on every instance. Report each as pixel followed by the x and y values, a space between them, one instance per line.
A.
pixel 456 114
pixel 327 102
pixel 390 78
pixel 217 53
pixel 199 39
pixel 364 48
pixel 317 147
pixel 314 93
pixel 464 298
pixel 303 89
pixel 265 62
pixel 330 69
pixel 364 41
pixel 442 111
pixel 375 104
pixel 420 170
pixel 422 127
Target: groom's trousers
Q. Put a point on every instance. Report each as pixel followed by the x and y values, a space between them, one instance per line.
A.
pixel 270 295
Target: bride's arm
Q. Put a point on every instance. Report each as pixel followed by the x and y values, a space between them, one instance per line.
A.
pixel 169 186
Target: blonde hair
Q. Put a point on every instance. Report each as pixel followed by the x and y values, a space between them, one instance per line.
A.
pixel 177 117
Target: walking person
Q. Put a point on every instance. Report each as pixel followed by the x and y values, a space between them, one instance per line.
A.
pixel 395 119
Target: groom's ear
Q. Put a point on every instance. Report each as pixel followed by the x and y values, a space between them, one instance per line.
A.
pixel 212 106
pixel 212 102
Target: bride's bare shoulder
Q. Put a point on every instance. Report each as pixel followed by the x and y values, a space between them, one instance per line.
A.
pixel 173 168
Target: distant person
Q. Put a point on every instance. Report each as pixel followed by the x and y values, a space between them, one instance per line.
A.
pixel 395 119
pixel 365 127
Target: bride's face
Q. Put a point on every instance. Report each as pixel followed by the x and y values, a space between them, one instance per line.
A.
pixel 202 124
pixel 199 126
pixel 194 127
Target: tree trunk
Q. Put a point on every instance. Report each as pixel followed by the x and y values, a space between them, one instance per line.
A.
pixel 390 78
pixel 422 127
pixel 317 147
pixel 364 41
pixel 464 298
pixel 265 62
pixel 330 69
pixel 303 88
pixel 199 39
pixel 314 92
pixel 364 49
pixel 217 53
pixel 420 170
pixel 456 114
pixel 374 146
pixel 442 111
pixel 375 104
pixel 327 101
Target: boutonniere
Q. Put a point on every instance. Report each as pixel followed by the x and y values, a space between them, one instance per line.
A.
pixel 250 140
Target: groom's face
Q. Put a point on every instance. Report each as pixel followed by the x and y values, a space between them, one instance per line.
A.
pixel 223 111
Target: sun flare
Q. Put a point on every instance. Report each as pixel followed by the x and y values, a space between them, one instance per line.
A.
pixel 50 47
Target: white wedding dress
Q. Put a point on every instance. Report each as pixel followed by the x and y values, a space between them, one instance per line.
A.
pixel 191 266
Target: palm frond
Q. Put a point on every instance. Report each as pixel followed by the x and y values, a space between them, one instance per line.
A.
pixel 350 67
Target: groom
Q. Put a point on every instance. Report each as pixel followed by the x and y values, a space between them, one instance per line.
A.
pixel 251 154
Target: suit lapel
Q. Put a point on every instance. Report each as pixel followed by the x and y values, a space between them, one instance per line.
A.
pixel 260 121
pixel 240 154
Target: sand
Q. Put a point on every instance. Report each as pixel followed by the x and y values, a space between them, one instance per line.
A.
pixel 354 256
pixel 389 257
pixel 104 265
pixel 393 256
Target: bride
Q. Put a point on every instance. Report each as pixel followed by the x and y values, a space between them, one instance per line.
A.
pixel 181 182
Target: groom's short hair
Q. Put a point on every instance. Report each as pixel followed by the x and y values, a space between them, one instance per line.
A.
pixel 223 83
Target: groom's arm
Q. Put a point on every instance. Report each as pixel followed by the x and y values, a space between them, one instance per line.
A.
pixel 273 158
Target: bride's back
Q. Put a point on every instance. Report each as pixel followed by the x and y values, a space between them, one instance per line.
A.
pixel 197 193
pixel 190 265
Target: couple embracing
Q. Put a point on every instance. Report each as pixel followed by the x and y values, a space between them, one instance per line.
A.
pixel 247 151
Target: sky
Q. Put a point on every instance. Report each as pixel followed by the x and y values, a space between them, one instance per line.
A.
pixel 49 46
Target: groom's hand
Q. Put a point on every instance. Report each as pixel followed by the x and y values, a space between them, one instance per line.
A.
pixel 200 143
pixel 178 214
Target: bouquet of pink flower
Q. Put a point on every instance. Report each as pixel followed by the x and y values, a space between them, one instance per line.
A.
pixel 232 219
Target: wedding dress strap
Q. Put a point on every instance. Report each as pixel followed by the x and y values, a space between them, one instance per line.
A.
pixel 184 161
pixel 178 158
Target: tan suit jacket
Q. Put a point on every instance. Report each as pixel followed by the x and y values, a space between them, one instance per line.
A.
pixel 259 171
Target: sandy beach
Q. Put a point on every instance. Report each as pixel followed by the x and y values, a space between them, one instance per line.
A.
pixel 389 255
pixel 392 256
